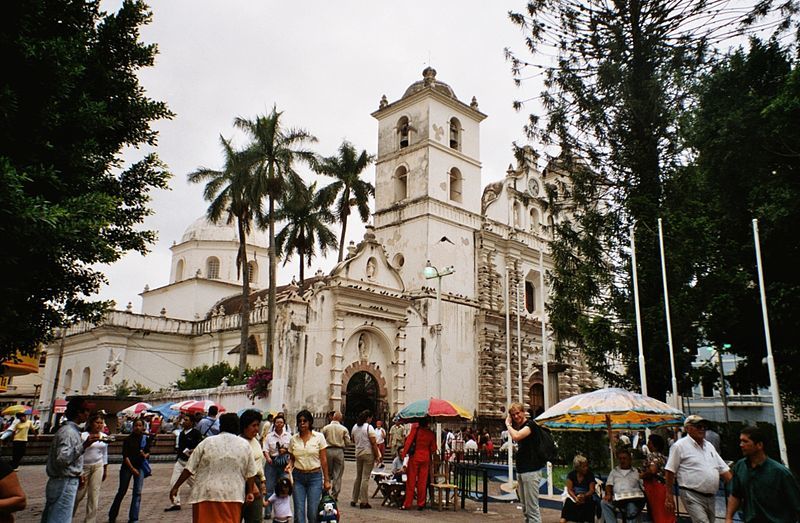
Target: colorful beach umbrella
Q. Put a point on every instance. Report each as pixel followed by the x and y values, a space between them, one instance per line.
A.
pixel 617 409
pixel 165 410
pixel 13 410
pixel 192 407
pixel 434 408
pixel 137 409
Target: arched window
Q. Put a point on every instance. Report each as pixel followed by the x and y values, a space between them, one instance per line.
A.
pixel 68 381
pixel 534 220
pixel 530 296
pixel 516 212
pixel 455 185
pixel 212 268
pixel 403 132
pixel 455 134
pixel 400 184
pixel 179 271
pixel 87 375
pixel 252 271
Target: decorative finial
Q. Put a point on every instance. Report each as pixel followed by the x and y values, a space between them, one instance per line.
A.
pixel 429 76
pixel 384 102
pixel 129 307
pixel 146 287
pixel 474 103
pixel 163 312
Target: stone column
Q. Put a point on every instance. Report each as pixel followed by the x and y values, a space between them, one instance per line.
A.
pixel 399 378
pixel 337 360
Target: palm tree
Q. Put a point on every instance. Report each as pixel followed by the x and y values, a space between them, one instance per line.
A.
pixel 234 192
pixel 273 151
pixel 346 168
pixel 307 215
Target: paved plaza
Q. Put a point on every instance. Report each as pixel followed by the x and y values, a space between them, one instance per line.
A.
pixel 155 499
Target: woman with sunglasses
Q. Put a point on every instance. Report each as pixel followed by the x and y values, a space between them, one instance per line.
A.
pixel 308 465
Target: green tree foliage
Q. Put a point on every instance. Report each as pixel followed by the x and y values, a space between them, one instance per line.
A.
pixel 209 376
pixel 274 150
pixel 307 214
pixel 352 191
pixel 236 192
pixel 747 140
pixel 123 389
pixel 614 101
pixel 70 100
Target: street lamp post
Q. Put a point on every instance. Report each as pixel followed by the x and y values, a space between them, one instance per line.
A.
pixel 430 273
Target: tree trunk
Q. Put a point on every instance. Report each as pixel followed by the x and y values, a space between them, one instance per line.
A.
pixel 272 283
pixel 341 240
pixel 245 312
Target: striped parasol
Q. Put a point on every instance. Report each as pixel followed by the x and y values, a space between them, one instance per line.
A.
pixel 193 406
pixel 434 408
pixel 137 409
pixel 612 408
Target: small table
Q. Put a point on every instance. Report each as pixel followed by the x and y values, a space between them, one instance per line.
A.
pixel 394 492
pixel 379 475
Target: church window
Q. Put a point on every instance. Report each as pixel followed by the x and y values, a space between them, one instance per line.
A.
pixel 422 352
pixel 403 132
pixel 534 220
pixel 456 183
pixel 398 261
pixel 179 271
pixel 68 381
pixel 212 268
pixel 455 134
pixel 530 296
pixel 87 374
pixel 400 184
pixel 252 271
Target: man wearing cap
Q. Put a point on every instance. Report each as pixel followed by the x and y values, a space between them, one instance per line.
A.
pixel 698 467
pixel 762 488
pixel 65 463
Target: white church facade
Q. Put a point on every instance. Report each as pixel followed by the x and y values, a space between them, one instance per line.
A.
pixel 368 333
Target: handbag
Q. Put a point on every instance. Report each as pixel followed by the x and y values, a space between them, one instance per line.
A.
pixel 146 469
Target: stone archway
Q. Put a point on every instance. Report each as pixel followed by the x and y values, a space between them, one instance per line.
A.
pixel 363 387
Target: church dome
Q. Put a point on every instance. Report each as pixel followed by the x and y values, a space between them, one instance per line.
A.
pixel 203 230
pixel 429 80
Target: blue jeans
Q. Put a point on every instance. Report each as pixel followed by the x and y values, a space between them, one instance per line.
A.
pixel 125 476
pixel 609 511
pixel 272 474
pixel 59 500
pixel 307 493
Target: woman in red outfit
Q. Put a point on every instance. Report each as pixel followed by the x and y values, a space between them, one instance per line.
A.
pixel 419 447
pixel 654 485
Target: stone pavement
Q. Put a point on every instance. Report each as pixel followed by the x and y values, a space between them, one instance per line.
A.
pixel 155 499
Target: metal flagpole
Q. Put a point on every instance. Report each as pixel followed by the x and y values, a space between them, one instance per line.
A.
pixel 508 370
pixel 545 368
pixel 519 342
pixel 773 377
pixel 642 373
pixel 669 323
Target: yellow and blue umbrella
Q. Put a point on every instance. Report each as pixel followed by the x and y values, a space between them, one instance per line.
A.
pixel 612 409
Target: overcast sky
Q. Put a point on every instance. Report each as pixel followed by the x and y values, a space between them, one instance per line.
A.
pixel 325 64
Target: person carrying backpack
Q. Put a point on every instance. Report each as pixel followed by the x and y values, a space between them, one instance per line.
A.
pixel 209 426
pixel 530 458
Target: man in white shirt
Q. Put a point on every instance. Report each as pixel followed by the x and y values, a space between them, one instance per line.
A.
pixel 471 445
pixel 623 482
pixel 698 468
pixel 338 437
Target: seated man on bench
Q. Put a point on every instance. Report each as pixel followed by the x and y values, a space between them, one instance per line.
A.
pixel 623 491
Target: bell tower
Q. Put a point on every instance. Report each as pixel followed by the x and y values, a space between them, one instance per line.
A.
pixel 428 180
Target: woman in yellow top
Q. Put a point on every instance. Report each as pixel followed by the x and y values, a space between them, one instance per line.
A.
pixel 248 427
pixel 308 465
pixel 20 439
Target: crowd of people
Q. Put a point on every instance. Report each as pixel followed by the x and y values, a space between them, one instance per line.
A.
pixel 249 468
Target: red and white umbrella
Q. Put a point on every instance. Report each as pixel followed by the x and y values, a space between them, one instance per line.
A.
pixel 137 409
pixel 192 406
